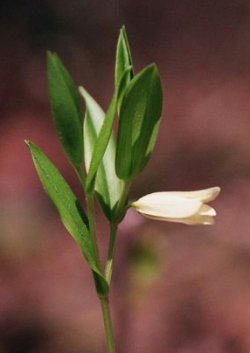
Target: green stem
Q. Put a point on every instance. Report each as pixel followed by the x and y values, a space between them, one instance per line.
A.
pixel 92 227
pixel 103 299
pixel 111 251
pixel 81 176
pixel 107 324
pixel 119 213
pixel 120 207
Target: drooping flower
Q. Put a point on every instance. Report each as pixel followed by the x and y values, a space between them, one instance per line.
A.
pixel 188 207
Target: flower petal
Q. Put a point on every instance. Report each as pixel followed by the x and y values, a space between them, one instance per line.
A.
pixel 163 205
pixel 207 211
pixel 205 195
pixel 199 219
pixel 194 220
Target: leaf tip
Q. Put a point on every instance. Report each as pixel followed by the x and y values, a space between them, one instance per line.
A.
pixel 50 56
pixel 27 142
pixel 152 67
pixel 123 30
pixel 153 70
pixel 82 91
pixel 156 69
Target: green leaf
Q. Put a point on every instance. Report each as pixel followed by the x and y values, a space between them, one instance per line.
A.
pixel 69 208
pixel 123 62
pixel 139 122
pixel 108 186
pixel 66 109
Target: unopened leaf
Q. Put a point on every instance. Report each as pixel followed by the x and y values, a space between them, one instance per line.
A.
pixel 107 185
pixel 101 145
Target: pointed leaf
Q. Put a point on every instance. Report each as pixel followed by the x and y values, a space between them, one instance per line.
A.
pixel 139 122
pixel 108 186
pixel 66 109
pixel 69 208
pixel 123 62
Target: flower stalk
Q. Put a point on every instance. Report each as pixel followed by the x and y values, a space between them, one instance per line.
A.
pixel 92 226
pixel 110 342
pixel 111 252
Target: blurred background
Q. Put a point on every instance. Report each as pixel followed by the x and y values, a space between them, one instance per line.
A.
pixel 176 289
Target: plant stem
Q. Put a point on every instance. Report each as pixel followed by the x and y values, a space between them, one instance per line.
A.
pixel 81 176
pixel 111 251
pixel 120 212
pixel 107 324
pixel 92 227
pixel 103 299
pixel 120 207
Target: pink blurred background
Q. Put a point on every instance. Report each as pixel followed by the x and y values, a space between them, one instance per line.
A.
pixel 176 289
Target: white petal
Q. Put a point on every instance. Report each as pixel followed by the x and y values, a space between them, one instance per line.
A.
pixel 199 219
pixel 205 195
pixel 207 211
pixel 195 220
pixel 163 205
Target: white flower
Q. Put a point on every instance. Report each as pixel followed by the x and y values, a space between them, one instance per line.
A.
pixel 187 207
